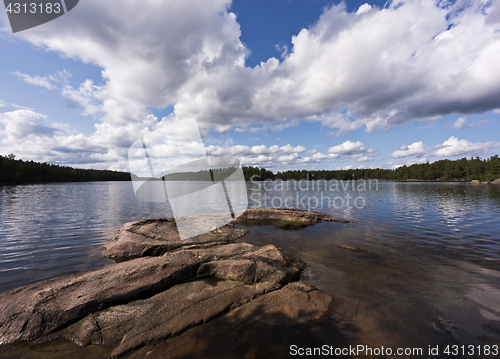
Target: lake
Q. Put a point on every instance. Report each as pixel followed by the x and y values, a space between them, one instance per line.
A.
pixel 432 276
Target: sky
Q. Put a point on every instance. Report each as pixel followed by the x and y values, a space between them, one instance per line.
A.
pixel 282 84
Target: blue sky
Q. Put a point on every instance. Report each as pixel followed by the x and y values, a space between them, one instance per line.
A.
pixel 282 84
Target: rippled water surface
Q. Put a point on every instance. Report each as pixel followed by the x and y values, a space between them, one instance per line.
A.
pixel 49 230
pixel 432 275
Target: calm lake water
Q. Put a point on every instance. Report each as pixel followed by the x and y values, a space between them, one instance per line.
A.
pixel 432 276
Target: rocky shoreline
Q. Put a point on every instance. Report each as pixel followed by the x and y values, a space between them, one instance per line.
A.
pixel 497 181
pixel 162 287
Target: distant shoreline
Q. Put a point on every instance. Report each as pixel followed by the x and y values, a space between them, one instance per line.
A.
pixel 497 181
pixel 14 172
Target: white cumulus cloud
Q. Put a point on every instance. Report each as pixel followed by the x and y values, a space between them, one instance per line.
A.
pixel 348 148
pixel 20 124
pixel 87 97
pixel 460 123
pixel 416 148
pixel 455 147
pixel 364 8
pixel 241 150
pixel 411 61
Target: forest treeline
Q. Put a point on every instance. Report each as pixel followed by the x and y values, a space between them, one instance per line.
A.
pixel 19 171
pixel 216 174
pixel 14 171
pixel 443 170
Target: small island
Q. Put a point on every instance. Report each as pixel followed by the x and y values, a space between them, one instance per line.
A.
pixel 211 285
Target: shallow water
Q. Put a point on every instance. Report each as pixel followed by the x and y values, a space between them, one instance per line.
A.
pixel 406 296
pixel 434 278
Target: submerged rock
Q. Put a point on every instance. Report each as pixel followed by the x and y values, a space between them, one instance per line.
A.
pixel 358 251
pixel 263 328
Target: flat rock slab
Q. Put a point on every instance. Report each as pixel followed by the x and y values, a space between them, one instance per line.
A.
pixel 266 327
pixel 286 214
pixel 168 313
pixel 162 286
pixel 38 309
pixel 101 298
pixel 157 236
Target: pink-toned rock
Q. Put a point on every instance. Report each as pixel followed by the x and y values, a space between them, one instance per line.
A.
pixel 157 236
pixel 176 285
pixel 277 257
pixel 265 327
pixel 38 309
pixel 286 214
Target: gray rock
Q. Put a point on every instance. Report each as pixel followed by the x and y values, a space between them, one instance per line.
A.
pixel 168 313
pixel 177 285
pixel 277 257
pixel 286 214
pixel 34 310
pixel 247 271
pixel 155 237
pixel 37 310
pixel 263 328
pixel 358 251
pixel 210 252
pixel 158 236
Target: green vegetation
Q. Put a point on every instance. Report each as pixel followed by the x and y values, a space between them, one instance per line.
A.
pixel 261 174
pixel 216 174
pixel 14 171
pixel 149 221
pixel 287 225
pixel 443 170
